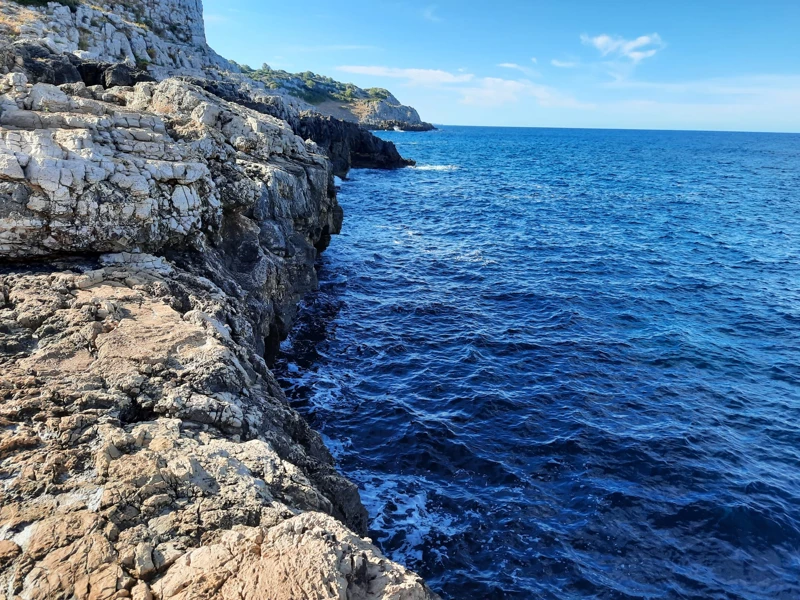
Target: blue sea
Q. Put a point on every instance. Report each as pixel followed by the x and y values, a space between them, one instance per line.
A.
pixel 566 363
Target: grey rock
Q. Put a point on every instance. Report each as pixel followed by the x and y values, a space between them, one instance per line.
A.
pixel 155 238
pixel 118 75
pixel 349 145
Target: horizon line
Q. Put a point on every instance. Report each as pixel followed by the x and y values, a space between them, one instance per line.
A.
pixel 437 125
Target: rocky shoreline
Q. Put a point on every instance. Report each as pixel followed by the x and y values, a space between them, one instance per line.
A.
pixel 159 223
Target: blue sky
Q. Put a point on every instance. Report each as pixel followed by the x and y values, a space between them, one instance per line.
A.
pixel 702 64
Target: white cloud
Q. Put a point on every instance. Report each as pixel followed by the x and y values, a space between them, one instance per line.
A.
pixel 494 92
pixel 563 64
pixel 533 60
pixel 429 14
pixel 474 91
pixel 516 67
pixel 645 46
pixel 430 77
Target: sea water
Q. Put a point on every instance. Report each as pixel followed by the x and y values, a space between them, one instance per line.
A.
pixel 566 363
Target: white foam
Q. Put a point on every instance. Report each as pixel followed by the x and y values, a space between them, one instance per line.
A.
pixel 436 168
pixel 400 503
pixel 476 256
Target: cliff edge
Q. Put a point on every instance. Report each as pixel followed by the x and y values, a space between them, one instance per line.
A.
pixel 158 224
pixel 374 108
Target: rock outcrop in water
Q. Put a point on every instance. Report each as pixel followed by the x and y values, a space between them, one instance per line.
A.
pixel 156 237
pixel 349 145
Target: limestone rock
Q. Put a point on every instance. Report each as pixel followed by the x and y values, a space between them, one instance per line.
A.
pixel 8 552
pixel 310 556
pixel 374 108
pixel 138 427
pixel 349 145
pixel 155 238
pixel 159 173
pixel 166 35
pixel 118 45
pixel 389 113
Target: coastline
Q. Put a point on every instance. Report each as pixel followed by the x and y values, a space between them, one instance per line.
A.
pixel 174 218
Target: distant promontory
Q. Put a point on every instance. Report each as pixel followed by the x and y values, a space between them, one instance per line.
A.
pixel 374 108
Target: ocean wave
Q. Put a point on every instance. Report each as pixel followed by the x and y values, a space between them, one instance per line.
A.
pixel 436 168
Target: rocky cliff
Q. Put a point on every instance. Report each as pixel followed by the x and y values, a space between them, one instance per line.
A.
pixel 378 114
pixel 374 108
pixel 119 44
pixel 157 228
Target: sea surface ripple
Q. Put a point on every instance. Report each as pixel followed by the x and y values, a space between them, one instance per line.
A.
pixel 566 363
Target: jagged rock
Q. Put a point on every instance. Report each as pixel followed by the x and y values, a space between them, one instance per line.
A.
pixel 118 75
pixel 166 35
pixel 40 64
pixel 8 552
pixel 395 125
pixel 334 564
pixel 107 42
pixel 388 113
pixel 155 238
pixel 174 160
pixel 146 429
pixel 374 108
pixel 349 145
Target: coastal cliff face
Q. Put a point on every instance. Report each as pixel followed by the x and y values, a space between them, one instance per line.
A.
pixel 382 114
pixel 167 36
pixel 155 238
pixel 119 44
pixel 374 108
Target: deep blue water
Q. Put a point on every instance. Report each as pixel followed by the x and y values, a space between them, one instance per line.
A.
pixel 566 363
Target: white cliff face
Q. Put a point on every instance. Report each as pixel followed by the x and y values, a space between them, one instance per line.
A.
pixel 139 167
pixel 378 112
pixel 165 38
pixel 168 36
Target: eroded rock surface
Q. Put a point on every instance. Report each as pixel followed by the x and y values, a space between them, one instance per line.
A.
pixel 384 113
pixel 167 36
pixel 151 166
pixel 115 44
pixel 144 450
pixel 349 145
pixel 155 237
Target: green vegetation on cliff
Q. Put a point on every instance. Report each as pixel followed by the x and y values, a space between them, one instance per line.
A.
pixel 313 88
